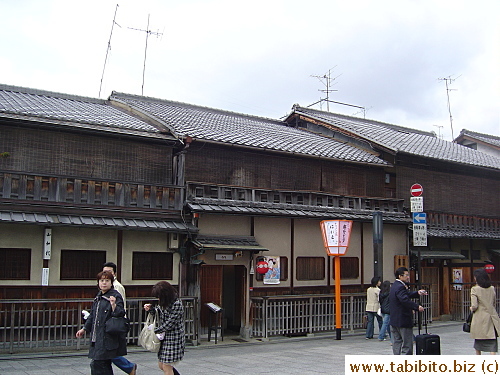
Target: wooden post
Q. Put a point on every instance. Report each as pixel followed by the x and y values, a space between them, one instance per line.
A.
pixel 338 306
pixel 336 235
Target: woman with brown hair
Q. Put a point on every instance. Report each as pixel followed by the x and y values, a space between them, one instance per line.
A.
pixel 169 327
pixel 372 306
pixel 485 323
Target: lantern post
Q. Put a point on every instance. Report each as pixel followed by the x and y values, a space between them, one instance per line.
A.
pixel 336 235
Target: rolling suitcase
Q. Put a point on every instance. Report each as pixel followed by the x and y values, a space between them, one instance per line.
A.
pixel 427 343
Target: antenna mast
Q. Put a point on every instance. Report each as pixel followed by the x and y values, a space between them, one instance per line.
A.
pixel 148 32
pixel 448 80
pixel 326 80
pixel 439 130
pixel 108 49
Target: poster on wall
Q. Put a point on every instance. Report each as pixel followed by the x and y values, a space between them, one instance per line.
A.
pixel 457 278
pixel 272 276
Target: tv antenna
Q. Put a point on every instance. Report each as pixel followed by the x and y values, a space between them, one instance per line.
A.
pixel 448 80
pixel 148 33
pixel 108 49
pixel 439 130
pixel 326 79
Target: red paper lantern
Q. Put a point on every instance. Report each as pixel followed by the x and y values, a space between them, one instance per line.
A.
pixel 489 268
pixel 262 267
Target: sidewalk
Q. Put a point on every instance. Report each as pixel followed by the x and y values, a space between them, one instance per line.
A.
pixel 321 354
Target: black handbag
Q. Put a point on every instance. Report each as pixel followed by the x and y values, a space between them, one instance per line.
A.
pixel 117 326
pixel 466 326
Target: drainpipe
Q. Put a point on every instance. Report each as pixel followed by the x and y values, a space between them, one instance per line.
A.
pixel 362 244
pixel 180 165
pixel 378 245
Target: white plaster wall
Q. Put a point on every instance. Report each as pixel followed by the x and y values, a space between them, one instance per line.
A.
pixel 394 243
pixel 25 237
pixel 308 241
pixel 274 234
pixel 144 242
pixel 488 150
pixel 218 225
pixel 67 238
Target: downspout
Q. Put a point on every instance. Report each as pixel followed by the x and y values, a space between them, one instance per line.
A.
pixel 292 254
pixel 362 280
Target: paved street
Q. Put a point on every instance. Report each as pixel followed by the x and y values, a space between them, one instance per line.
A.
pixel 318 355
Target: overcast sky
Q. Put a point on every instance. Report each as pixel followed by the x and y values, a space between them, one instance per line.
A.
pixel 259 57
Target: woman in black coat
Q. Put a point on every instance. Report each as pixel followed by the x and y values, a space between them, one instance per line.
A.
pixel 103 346
pixel 383 298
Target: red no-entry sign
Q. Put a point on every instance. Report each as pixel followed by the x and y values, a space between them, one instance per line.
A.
pixel 416 190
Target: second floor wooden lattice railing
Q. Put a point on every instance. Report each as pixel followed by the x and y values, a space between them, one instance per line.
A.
pixel 76 191
pixel 458 222
pixel 286 197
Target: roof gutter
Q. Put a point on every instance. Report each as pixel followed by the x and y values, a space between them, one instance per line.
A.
pixel 150 119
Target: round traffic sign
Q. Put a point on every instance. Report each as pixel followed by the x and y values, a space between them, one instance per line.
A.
pixel 416 190
pixel 489 268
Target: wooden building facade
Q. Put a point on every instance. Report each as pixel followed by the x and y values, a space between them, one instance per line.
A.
pixel 202 197
pixel 255 188
pixel 83 183
pixel 461 195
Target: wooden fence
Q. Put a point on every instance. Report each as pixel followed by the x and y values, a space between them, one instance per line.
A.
pixel 315 313
pixel 460 300
pixel 40 325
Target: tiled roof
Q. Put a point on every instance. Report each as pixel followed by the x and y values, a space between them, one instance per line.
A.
pixel 72 111
pixel 228 243
pixel 462 233
pixel 437 254
pixel 220 206
pixel 96 222
pixel 486 138
pixel 239 129
pixel 401 139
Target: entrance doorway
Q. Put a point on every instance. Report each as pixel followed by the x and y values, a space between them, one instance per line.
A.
pixel 224 286
pixel 432 276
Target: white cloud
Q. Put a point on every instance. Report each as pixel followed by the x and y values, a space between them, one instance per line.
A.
pixel 258 57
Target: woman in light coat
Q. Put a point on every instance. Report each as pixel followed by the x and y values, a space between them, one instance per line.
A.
pixel 372 306
pixel 485 321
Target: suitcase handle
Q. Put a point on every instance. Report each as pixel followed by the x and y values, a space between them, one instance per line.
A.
pixel 419 319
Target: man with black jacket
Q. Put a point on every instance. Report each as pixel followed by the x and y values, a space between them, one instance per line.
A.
pixel 401 311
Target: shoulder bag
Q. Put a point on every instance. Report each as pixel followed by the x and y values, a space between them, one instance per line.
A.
pixel 466 326
pixel 117 325
pixel 147 338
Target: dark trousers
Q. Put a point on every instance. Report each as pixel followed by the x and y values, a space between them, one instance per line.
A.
pixel 101 367
pixel 402 340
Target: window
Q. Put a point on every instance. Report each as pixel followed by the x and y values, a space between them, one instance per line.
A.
pixel 152 266
pixel 81 264
pixel 283 271
pixel 310 268
pixel 15 264
pixel 349 268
